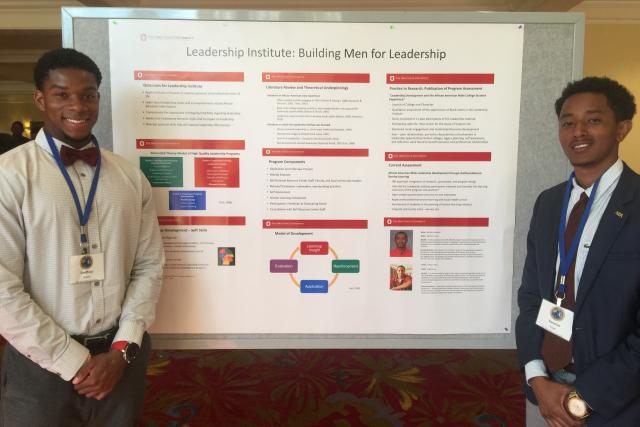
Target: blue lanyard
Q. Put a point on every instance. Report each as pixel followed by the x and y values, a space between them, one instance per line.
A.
pixel 83 216
pixel 566 258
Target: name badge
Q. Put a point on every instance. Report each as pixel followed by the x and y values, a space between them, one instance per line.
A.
pixel 86 268
pixel 555 319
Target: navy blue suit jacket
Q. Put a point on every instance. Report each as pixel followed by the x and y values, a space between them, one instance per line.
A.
pixel 606 327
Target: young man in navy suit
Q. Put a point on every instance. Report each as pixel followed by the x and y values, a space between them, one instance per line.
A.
pixel 578 331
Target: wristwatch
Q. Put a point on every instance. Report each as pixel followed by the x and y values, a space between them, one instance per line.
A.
pixel 576 406
pixel 128 349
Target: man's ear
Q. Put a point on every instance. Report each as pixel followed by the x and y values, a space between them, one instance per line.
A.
pixel 38 100
pixel 624 127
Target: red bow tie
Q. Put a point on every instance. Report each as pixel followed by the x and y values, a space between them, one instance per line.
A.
pixel 70 155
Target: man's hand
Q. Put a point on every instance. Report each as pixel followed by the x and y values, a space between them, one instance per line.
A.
pixel 100 374
pixel 551 395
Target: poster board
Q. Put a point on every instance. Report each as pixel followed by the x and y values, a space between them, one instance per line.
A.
pixel 552 48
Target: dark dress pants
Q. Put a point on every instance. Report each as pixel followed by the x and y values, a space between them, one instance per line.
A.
pixel 34 397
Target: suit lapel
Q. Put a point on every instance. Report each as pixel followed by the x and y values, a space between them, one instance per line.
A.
pixel 613 219
pixel 549 252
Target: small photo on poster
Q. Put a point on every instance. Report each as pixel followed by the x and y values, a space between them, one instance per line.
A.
pixel 401 243
pixel 400 277
pixel 226 256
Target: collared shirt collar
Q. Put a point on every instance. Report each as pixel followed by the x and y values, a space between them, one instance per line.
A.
pixel 609 178
pixel 41 140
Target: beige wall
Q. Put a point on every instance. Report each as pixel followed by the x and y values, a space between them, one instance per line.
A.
pixel 611 50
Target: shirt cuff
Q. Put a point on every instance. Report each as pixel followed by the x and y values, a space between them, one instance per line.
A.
pixel 130 332
pixel 70 362
pixel 535 368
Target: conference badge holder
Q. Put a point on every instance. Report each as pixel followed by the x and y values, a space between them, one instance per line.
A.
pixel 555 319
pixel 86 268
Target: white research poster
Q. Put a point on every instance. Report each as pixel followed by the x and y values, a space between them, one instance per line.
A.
pixel 336 178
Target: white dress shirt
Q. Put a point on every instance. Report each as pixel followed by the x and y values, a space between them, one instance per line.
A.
pixel 608 183
pixel 40 231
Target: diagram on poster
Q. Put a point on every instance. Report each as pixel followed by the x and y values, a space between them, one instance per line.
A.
pixel 330 267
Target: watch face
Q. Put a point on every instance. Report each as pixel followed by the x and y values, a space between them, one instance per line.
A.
pixel 131 352
pixel 577 407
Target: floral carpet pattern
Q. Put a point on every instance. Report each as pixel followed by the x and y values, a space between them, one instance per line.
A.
pixel 341 388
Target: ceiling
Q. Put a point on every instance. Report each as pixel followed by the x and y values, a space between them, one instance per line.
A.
pixel 30 27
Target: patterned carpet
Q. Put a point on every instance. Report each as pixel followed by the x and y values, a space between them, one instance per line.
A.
pixel 340 388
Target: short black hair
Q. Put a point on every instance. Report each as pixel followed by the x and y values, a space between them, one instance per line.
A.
pixel 620 100
pixel 401 232
pixel 17 122
pixel 63 58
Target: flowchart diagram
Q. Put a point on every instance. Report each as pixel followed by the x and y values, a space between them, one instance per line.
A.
pixel 314 285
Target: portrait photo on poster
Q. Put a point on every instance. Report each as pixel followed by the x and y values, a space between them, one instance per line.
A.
pixel 401 243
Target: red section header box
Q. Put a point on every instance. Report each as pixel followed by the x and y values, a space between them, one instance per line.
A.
pixel 436 222
pixel 314 248
pixel 316 223
pixel 189 76
pixel 482 156
pixel 437 79
pixel 201 220
pixel 277 77
pixel 189 144
pixel 316 152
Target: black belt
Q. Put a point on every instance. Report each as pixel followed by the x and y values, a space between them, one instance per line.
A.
pixel 99 343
